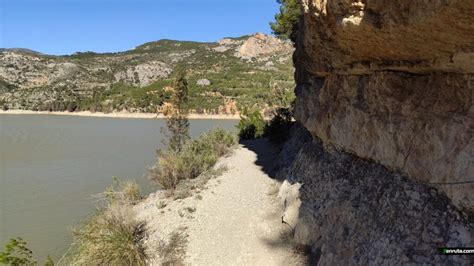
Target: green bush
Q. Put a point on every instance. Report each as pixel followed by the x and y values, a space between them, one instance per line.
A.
pixel 16 253
pixel 196 156
pixel 278 128
pixel 251 125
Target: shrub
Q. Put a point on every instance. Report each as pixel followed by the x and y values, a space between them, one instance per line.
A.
pixel 196 156
pixel 71 106
pixel 251 125
pixel 278 128
pixel 113 235
pixel 16 253
pixel 125 191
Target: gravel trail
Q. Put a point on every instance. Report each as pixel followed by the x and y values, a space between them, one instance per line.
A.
pixel 236 220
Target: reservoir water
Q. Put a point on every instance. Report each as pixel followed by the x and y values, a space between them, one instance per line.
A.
pixel 51 166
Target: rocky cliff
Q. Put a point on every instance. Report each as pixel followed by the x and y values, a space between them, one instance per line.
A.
pixel 351 211
pixel 384 89
pixel 391 81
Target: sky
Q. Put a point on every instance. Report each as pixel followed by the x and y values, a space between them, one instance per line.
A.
pixel 67 26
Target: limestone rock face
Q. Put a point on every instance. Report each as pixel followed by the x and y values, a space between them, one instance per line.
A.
pixel 354 36
pixel 261 46
pixel 391 82
pixel 144 74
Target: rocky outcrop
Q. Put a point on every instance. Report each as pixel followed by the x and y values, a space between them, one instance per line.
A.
pixel 351 211
pixel 258 46
pixel 381 171
pixel 144 74
pixel 391 82
pixel 31 70
pixel 261 46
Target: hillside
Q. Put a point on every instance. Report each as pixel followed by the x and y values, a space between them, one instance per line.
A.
pixel 223 76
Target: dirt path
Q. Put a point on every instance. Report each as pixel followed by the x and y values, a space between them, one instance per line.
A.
pixel 235 221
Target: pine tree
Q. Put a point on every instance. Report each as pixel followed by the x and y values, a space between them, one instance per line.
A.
pixel 177 115
pixel 286 22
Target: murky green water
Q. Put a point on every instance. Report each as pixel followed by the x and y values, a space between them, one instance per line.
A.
pixel 51 165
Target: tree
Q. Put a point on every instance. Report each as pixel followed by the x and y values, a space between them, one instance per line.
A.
pixel 280 96
pixel 177 114
pixel 281 100
pixel 286 22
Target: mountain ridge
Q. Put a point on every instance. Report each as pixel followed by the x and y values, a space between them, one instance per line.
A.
pixel 224 76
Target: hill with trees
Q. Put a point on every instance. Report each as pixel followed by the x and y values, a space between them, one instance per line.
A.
pixel 223 76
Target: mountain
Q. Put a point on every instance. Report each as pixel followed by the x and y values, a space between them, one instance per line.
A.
pixel 223 76
pixel 20 50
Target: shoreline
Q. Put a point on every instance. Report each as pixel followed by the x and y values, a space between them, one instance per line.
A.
pixel 124 115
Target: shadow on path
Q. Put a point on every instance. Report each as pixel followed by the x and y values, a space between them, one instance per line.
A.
pixel 267 154
pixel 267 159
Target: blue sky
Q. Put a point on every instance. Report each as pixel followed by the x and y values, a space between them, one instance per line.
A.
pixel 67 26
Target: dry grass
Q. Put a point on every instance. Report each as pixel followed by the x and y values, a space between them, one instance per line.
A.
pixel 127 191
pixel 196 157
pixel 113 235
pixel 172 252
pixel 187 188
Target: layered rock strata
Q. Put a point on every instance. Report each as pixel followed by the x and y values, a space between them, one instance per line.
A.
pixel 391 81
pixel 381 170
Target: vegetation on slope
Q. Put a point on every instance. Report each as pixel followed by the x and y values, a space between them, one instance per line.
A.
pixel 113 235
pixel 196 156
pixel 253 125
pixel 185 158
pixel 110 82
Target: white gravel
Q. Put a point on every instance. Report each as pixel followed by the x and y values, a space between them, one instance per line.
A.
pixel 237 221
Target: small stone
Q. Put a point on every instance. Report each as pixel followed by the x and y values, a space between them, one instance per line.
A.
pixel 203 82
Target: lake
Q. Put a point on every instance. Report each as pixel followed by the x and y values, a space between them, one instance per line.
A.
pixel 51 166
